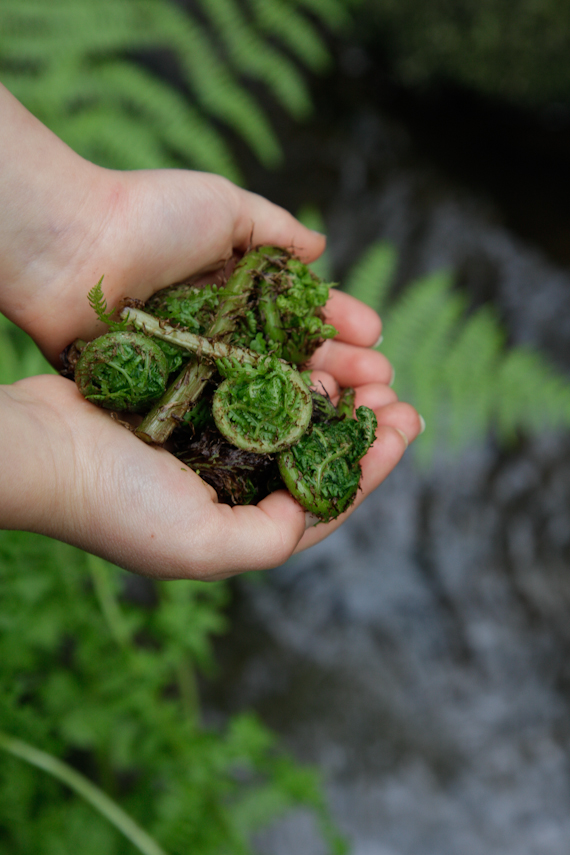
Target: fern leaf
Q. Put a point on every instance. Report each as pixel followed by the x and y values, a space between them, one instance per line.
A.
pixel 423 314
pixel 216 88
pixel 453 368
pixel 332 13
pixel 531 395
pixel 253 57
pixel 98 303
pixel 280 20
pixel 370 279
pixel 468 381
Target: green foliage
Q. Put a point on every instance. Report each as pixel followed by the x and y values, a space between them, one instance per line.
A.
pixel 516 49
pixel 322 470
pixel 19 356
pixel 263 407
pixel 98 303
pixel 122 371
pixel 93 678
pixel 453 366
pixel 87 69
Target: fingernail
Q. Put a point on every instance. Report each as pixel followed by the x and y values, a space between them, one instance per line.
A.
pixel 404 437
pixel 315 232
pixel 422 424
pixel 311 520
pixel 391 383
pixel 379 342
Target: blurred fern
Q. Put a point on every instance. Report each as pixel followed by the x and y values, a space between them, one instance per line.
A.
pixel 19 356
pixel 454 366
pixel 84 68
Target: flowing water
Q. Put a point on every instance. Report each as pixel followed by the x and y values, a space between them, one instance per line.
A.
pixel 420 655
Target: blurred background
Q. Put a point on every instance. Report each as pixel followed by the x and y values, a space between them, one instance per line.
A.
pixel 403 688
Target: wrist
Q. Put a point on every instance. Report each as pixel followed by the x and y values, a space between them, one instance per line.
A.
pixel 46 196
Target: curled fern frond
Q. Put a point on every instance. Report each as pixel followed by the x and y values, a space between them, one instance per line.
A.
pixel 323 470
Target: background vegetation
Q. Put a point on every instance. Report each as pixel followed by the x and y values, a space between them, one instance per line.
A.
pixel 516 50
pixel 100 673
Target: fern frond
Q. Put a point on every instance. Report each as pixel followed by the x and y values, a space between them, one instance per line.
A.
pixel 469 377
pixel 371 277
pixel 422 317
pixel 454 368
pixel 72 56
pixel 252 56
pixel 417 337
pixel 280 20
pixel 98 303
pixel 332 13
pixel 531 395
pixel 216 88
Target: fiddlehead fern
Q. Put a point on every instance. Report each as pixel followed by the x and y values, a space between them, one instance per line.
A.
pixel 264 407
pixel 194 307
pixel 122 371
pixel 261 424
pixel 322 471
pixel 186 389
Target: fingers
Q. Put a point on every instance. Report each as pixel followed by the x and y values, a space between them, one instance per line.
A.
pixel 375 396
pixel 352 365
pixel 261 222
pixel 356 323
pixel 398 425
pixel 253 537
pixel 372 395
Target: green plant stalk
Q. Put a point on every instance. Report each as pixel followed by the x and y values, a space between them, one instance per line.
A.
pixel 84 788
pixel 188 386
pixel 200 345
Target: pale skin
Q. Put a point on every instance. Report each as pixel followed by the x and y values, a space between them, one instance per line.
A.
pixel 69 470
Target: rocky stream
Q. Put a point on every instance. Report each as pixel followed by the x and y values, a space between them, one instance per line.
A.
pixel 420 655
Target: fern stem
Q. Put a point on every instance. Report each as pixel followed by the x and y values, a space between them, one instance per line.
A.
pixel 84 788
pixel 198 344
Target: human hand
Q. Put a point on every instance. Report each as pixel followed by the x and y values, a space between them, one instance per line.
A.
pixel 79 476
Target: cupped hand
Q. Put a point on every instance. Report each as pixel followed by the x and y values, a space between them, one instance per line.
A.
pixel 70 470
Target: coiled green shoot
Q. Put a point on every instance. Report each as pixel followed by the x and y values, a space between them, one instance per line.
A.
pixel 322 471
pixel 122 371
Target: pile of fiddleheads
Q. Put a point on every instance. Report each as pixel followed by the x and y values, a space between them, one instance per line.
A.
pixel 216 372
